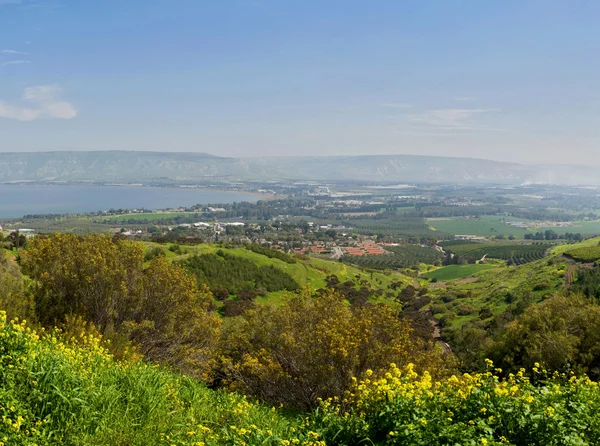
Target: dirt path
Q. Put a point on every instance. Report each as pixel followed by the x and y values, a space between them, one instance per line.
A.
pixel 570 272
pixel 437 336
pixel 569 276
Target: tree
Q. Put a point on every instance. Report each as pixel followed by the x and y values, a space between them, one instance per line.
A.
pixel 159 307
pixel 560 333
pixel 13 298
pixel 16 239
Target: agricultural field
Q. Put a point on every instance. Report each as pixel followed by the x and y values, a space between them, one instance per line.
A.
pixel 409 256
pixel 486 225
pixel 512 253
pixel 150 217
pixel 493 225
pixel 396 224
pixel 76 224
pixel 453 272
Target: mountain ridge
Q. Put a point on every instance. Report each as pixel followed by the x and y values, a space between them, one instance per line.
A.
pixel 132 166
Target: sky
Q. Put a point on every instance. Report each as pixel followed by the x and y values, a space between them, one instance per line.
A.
pixel 504 80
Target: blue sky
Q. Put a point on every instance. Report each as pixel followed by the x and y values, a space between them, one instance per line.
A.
pixel 506 80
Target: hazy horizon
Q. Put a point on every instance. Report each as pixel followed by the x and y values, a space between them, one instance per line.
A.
pixel 510 81
pixel 293 155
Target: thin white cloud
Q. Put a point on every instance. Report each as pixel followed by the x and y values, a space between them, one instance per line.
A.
pixel 396 105
pixel 17 62
pixel 465 99
pixel 47 102
pixel 447 118
pixel 12 52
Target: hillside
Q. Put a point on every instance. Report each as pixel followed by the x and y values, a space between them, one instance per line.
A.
pixel 129 166
pixel 143 356
pixel 306 271
pixel 53 392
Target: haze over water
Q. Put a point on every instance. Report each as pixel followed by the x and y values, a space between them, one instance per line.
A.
pixel 23 199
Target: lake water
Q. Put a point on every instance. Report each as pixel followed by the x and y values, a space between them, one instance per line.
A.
pixel 17 200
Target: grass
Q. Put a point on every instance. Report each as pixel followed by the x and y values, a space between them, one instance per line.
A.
pixel 147 216
pixel 310 272
pixel 452 272
pixel 561 249
pixel 492 225
pixel 496 287
pixel 586 254
pixel 52 393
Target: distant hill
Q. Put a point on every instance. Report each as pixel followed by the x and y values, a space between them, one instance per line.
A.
pixel 129 166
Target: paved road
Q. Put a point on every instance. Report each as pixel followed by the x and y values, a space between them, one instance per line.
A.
pixel 336 253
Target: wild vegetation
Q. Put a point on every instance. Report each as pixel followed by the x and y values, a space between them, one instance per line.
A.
pixel 322 354
pixel 53 392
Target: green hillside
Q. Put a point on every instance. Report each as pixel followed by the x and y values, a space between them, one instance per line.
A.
pixel 493 289
pixel 54 393
pixel 307 271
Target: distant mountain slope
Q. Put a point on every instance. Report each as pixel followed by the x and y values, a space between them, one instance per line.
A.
pixel 129 166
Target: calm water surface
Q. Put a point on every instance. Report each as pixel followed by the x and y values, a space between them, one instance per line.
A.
pixel 19 200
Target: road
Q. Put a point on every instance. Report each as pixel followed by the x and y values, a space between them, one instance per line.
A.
pixel 336 253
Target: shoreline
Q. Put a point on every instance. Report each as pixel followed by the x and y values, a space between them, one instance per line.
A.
pixel 181 197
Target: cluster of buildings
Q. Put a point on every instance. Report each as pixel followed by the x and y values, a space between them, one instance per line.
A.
pixel 365 249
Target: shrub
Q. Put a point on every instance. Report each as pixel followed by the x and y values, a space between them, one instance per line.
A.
pixel 310 348
pixel 159 307
pixel 154 252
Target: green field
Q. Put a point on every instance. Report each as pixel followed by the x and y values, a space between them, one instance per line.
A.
pixel 513 252
pixel 452 272
pixel 493 225
pixel 561 249
pixel 149 217
pixel 587 254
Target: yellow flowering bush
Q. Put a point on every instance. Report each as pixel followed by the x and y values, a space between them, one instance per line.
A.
pixel 311 347
pixel 407 408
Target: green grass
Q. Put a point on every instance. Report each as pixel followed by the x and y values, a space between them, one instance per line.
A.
pixel 492 225
pixel 310 272
pixel 55 394
pixel 561 249
pixel 586 254
pixel 149 217
pixel 487 225
pixel 452 272
pixel 496 285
